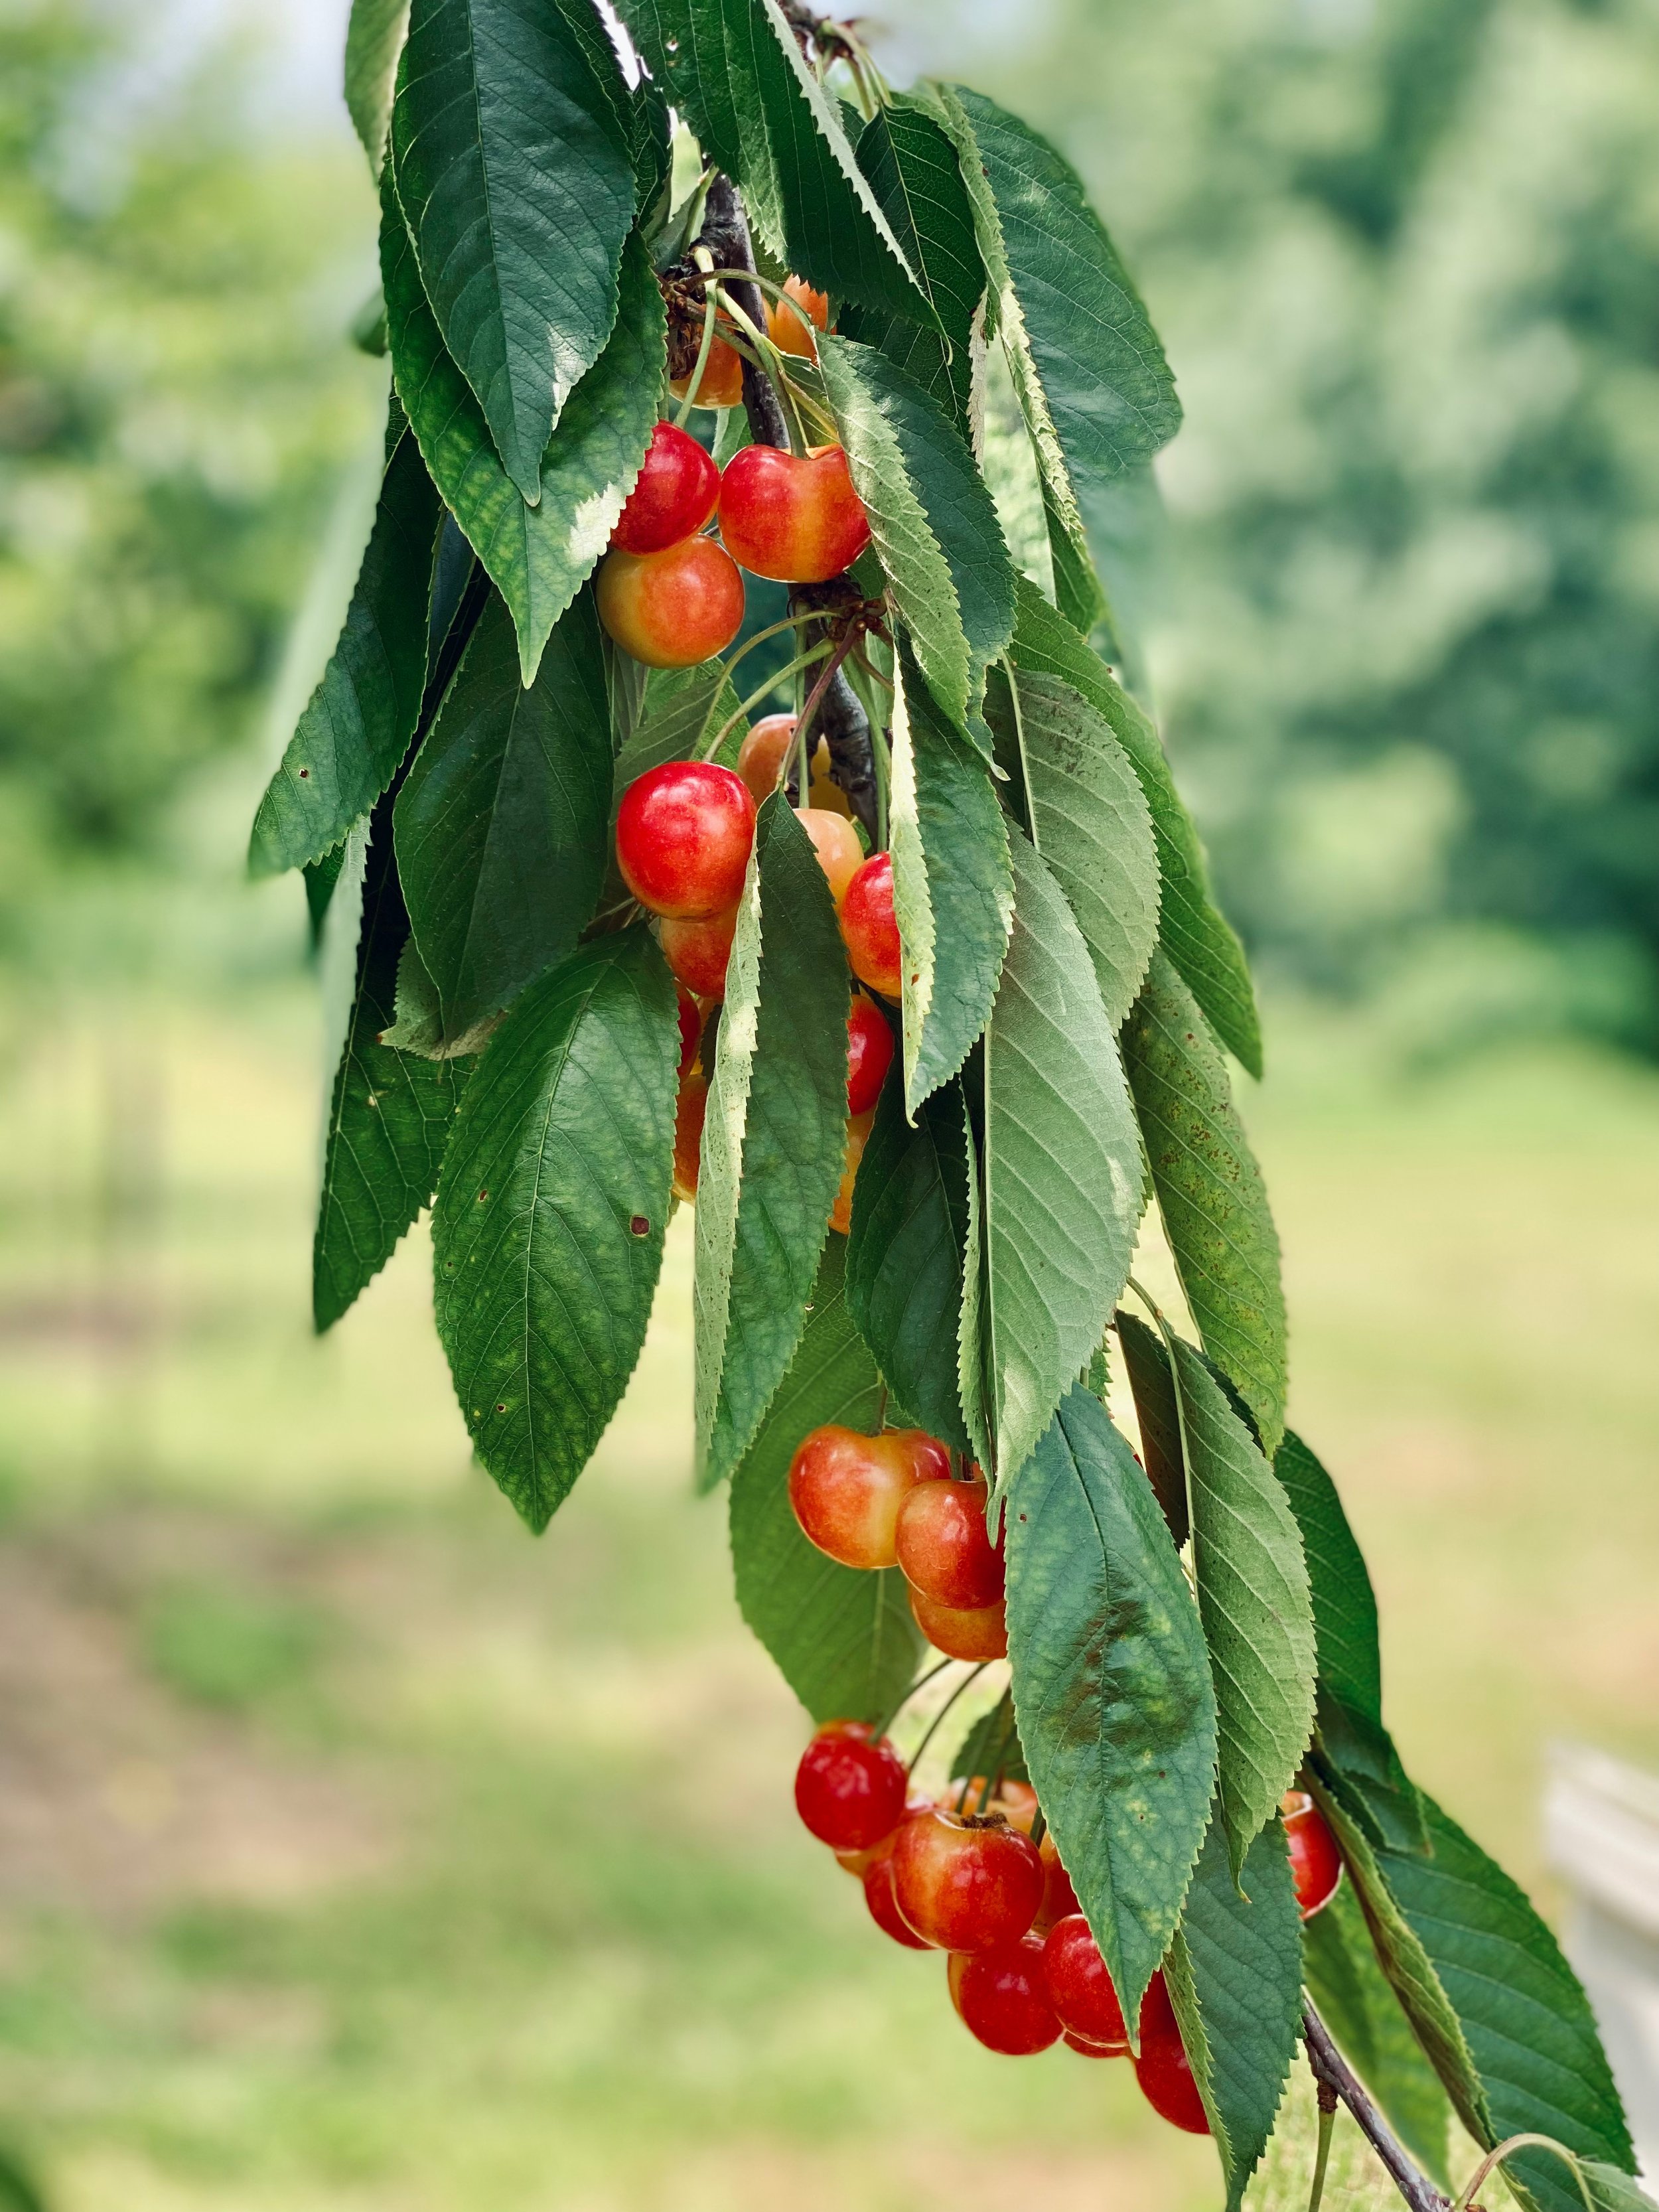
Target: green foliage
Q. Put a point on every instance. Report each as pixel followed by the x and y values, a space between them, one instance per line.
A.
pixel 374 39
pixel 1151 1385
pixel 992 1748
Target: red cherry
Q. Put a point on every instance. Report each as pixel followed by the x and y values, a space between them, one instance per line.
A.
pixel 690 1110
pixel 1001 1999
pixel 790 321
pixel 883 1908
pixel 944 1547
pixel 858 1136
pixel 678 489
pixel 795 518
pixel 860 1862
pixel 1079 1988
pixel 1315 1862
pixel 959 1633
pixel 698 951
pixel 1059 1898
pixel 850 1785
pixel 869 927
pixel 965 1883
pixel 1162 2069
pixel 869 1054
pixel 683 831
pixel 690 1029
pixel 1086 2050
pixel 845 1489
pixel 672 609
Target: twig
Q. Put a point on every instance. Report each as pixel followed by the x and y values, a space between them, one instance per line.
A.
pixel 1322 2155
pixel 1331 2071
pixel 726 233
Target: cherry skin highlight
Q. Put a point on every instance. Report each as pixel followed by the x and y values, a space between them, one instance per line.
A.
pixel 858 1136
pixel 964 1883
pixel 1079 1988
pixel 690 1110
pixel 869 1054
pixel 720 384
pixel 683 831
pixel 835 841
pixel 1315 1862
pixel 845 1489
pixel 960 1634
pixel 869 927
pixel 691 1019
pixel 677 491
pixel 877 1880
pixel 850 1787
pixel 944 1550
pixel 674 608
pixel 760 763
pixel 791 321
pixel 791 517
pixel 697 950
pixel 1002 2001
pixel 1162 2069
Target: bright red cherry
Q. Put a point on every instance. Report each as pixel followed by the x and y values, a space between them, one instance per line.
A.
pixel 683 831
pixel 883 1908
pixel 791 321
pixel 845 1489
pixel 860 1862
pixel 1001 1999
pixel 869 927
pixel 1059 1898
pixel 960 1633
pixel 1086 2050
pixel 691 1029
pixel 1162 2069
pixel 678 489
pixel 858 1136
pixel 792 517
pixel 850 1785
pixel 1079 1988
pixel 672 609
pixel 1315 1862
pixel 944 1549
pixel 966 1883
pixel 869 1054
pixel 698 951
pixel 690 1109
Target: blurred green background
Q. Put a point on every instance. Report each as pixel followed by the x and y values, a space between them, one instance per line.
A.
pixel 356 1851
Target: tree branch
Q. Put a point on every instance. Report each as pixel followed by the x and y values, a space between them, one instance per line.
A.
pixel 1332 2072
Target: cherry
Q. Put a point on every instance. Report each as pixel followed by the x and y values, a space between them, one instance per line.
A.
pixel 1059 1898
pixel 691 1029
pixel 677 490
pixel 790 321
pixel 1315 1862
pixel 966 1883
pixel 869 927
pixel 960 1633
pixel 697 950
pixel 1087 2050
pixel 761 762
pixel 1162 2069
pixel 845 1489
pixel 858 1136
pixel 672 609
pixel 869 1054
pixel 1001 1999
pixel 683 831
pixel 860 1862
pixel 850 1785
pixel 1079 1988
pixel 944 1547
pixel 835 841
pixel 720 384
pixel 791 517
pixel 883 1908
pixel 1017 1802
pixel 690 1109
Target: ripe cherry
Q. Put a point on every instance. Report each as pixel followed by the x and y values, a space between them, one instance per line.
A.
pixel 869 927
pixel 1079 1988
pixel 678 490
pixel 860 1862
pixel 850 1785
pixel 943 1546
pixel 858 1136
pixel 690 1018
pixel 1059 1898
pixel 869 1054
pixel 1315 1862
pixel 1162 2069
pixel 877 1880
pixel 1001 1999
pixel 845 1489
pixel 1087 2050
pixel 959 1633
pixel 791 321
pixel 795 518
pixel 673 609
pixel 835 841
pixel 690 1109
pixel 720 384
pixel 698 951
pixel 761 762
pixel 683 831
pixel 964 1882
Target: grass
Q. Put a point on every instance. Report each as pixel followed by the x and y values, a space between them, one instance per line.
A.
pixel 357 1852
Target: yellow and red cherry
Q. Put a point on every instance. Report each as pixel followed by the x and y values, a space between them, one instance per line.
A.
pixel 837 844
pixel 720 384
pixel 683 833
pixel 791 321
pixel 869 1054
pixel 966 1883
pixel 845 1489
pixel 1162 2070
pixel 673 609
pixel 859 1862
pixel 869 927
pixel 850 1786
pixel 962 1632
pixel 691 1021
pixel 678 490
pixel 690 1109
pixel 878 1879
pixel 792 517
pixel 944 1549
pixel 1315 1862
pixel 698 951
pixel 761 764
pixel 1079 1988
pixel 858 1136
pixel 1001 2000
pixel 1059 1898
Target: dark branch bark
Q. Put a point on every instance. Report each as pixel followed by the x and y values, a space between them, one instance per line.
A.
pixel 1333 2077
pixel 726 235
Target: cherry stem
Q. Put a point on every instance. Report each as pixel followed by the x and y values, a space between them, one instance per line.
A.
pixel 801 661
pixel 815 700
pixel 921 1683
pixel 704 350
pixel 1494 2159
pixel 1331 2070
pixel 1322 2155
pixel 966 1683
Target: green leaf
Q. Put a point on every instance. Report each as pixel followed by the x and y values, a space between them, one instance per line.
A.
pixel 548 1228
pixel 502 823
pixel 1152 1384
pixel 952 891
pixel 1254 1596
pixel 1210 1193
pixel 1344 1603
pixel 537 557
pixel 844 1640
pixel 1235 1978
pixel 1614 2191
pixel 389 1118
pixel 1063 1189
pixel 359 720
pixel 991 1747
pixel 774 1139
pixel 1194 933
pixel 1088 817
pixel 518 189
pixel 374 39
pixel 1111 1685
pixel 974 1387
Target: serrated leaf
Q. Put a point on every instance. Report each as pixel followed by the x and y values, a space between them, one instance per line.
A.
pixel 1614 2191
pixel 547 1227
pixel 1152 1384
pixel 1210 1193
pixel 1193 930
pixel 774 1138
pixel 1235 1978
pixel 374 39
pixel 992 1748
pixel 537 557
pixel 1089 818
pixel 974 1334
pixel 952 890
pixel 844 1640
pixel 1063 1189
pixel 1257 1610
pixel 1111 1685
pixel 358 722
pixel 905 1253
pixel 320 879
pixel 519 192
pixel 502 821
pixel 1344 1603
